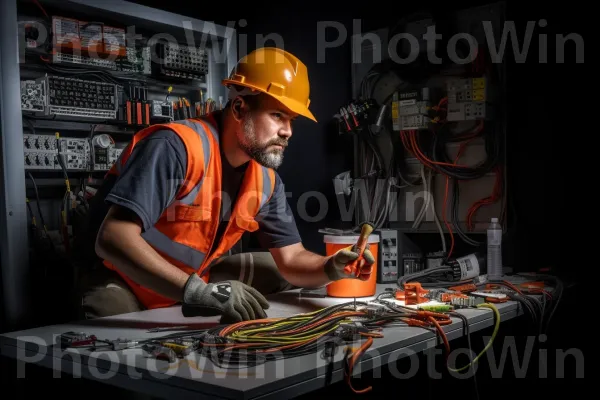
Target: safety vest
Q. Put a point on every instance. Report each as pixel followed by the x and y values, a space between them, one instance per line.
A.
pixel 185 233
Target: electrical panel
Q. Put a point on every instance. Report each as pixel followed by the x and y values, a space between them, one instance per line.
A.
pixel 398 256
pixel 467 99
pixel 94 75
pixel 410 110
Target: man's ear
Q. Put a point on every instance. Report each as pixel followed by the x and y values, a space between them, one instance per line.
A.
pixel 238 108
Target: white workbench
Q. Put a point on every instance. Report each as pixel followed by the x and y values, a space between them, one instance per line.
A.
pixel 197 377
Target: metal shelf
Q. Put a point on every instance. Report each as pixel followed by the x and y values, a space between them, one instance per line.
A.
pixel 75 124
pixel 53 182
pixel 35 70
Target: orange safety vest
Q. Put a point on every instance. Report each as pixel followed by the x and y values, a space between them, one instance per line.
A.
pixel 185 233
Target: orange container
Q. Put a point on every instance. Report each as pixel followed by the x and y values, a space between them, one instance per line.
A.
pixel 352 287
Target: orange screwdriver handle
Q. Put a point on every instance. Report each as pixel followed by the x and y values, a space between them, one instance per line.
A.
pixel 359 247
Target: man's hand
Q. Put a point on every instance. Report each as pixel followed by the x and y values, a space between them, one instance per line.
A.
pixel 336 265
pixel 234 300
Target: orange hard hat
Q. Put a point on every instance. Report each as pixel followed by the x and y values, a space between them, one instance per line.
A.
pixel 277 73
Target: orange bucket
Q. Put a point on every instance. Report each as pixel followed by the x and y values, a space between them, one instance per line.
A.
pixel 352 287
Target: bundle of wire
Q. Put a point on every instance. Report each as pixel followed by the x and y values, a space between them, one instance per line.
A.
pixel 250 343
pixel 256 341
pixel 542 309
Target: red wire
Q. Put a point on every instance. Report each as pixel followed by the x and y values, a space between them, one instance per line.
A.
pixel 353 359
pixel 444 206
pixel 493 198
pixel 37 3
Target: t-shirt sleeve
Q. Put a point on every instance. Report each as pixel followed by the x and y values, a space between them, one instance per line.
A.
pixel 151 177
pixel 277 226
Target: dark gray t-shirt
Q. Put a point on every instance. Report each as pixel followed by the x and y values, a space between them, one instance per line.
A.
pixel 151 178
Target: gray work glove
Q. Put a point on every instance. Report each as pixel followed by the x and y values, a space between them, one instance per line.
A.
pixel 338 265
pixel 233 300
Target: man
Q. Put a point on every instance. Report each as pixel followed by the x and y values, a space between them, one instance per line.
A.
pixel 182 194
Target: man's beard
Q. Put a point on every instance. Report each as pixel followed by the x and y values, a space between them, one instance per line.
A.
pixel 270 158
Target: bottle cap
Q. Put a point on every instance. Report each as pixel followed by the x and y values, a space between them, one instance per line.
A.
pixel 494 219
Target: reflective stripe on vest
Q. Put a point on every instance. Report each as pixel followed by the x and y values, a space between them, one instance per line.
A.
pixel 180 252
pixel 197 127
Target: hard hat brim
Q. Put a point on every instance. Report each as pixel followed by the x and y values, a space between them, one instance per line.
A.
pixel 295 107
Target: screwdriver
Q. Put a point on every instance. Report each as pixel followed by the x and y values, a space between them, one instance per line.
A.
pixel 359 248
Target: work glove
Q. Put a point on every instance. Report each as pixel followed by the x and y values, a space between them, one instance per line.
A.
pixel 233 300
pixel 335 268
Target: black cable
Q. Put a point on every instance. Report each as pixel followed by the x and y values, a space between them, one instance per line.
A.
pixel 525 304
pixel 455 216
pixel 556 295
pixel 467 332
pixel 30 125
pixel 442 270
pixel 39 208
pixel 61 161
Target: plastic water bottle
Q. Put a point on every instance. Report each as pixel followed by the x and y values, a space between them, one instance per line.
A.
pixel 494 250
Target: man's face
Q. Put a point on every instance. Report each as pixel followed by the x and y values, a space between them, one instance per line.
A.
pixel 265 132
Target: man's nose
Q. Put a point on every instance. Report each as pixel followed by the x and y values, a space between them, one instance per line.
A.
pixel 286 130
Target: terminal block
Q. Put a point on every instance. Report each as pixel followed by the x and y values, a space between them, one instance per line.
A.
pixel 410 110
pixel 468 99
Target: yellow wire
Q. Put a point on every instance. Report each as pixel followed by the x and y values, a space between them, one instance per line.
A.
pixel 270 326
pixel 311 333
pixel 296 337
pixel 285 340
pixel 489 344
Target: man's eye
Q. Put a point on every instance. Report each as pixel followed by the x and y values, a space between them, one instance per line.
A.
pixel 278 115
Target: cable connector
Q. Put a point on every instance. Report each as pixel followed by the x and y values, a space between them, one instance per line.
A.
pixel 466 302
pixel 122 344
pixel 350 331
pixel 161 353
pixel 437 308
pixel 374 311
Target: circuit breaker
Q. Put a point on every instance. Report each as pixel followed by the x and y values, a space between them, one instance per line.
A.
pixel 398 256
pixel 41 153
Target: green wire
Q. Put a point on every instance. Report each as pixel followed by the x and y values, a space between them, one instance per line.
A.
pixel 489 344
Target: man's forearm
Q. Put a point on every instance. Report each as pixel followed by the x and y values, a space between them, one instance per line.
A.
pixel 306 269
pixel 132 255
